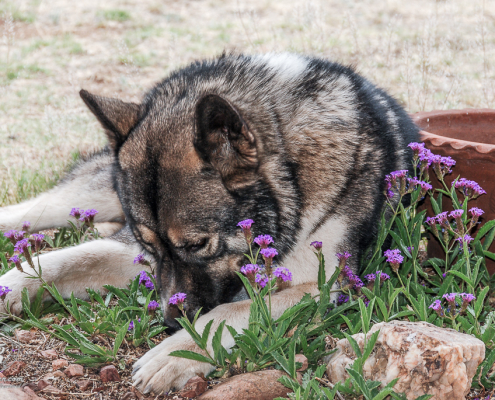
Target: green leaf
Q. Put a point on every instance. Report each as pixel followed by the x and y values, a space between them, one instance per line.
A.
pixel 358 379
pixel 119 338
pixel 206 333
pixel 484 229
pixel 462 276
pixel 353 344
pixel 191 355
pixel 478 305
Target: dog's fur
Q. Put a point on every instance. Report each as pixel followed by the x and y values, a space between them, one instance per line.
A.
pixel 298 144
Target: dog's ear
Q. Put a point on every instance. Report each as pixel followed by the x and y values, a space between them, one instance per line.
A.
pixel 116 116
pixel 225 141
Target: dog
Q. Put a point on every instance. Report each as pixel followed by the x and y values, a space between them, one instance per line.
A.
pixel 298 144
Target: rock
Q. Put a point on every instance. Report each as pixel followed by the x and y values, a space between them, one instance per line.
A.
pixel 8 392
pixel 31 385
pixel 14 368
pixel 30 392
pixel 194 387
pixel 43 383
pixel 426 359
pixel 24 336
pixel 60 363
pixel 109 374
pixel 84 385
pixel 74 370
pixel 260 385
pixel 54 374
pixel 301 358
pixel 50 354
pixel 2 376
pixel 53 391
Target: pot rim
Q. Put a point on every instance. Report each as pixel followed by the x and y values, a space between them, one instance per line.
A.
pixel 456 144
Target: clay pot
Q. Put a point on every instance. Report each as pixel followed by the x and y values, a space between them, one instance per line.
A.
pixel 468 136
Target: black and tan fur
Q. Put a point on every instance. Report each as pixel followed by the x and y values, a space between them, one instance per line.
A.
pixel 300 145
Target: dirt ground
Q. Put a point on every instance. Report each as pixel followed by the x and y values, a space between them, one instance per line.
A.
pixel 429 54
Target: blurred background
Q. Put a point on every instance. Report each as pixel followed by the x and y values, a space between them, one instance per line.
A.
pixel 428 54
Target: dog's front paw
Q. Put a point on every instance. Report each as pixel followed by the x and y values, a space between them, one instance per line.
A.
pixel 158 372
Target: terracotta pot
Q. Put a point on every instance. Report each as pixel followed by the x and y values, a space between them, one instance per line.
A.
pixel 468 136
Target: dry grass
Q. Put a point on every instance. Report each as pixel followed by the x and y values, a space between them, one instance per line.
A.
pixel 429 54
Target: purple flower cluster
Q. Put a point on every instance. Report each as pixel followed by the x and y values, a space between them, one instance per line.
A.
pixel 141 260
pixel 14 236
pixel 21 246
pixel 3 291
pixel 145 280
pixel 466 239
pixel 38 240
pixel 86 216
pixel 354 281
pixel 263 241
pixel 177 299
pixel 283 273
pixel 372 277
pixel 245 226
pixel 343 257
pixel 342 299
pixel 441 165
pixel 469 189
pixel 26 225
pixel 153 305
pixel 450 298
pixel 476 212
pixel 395 258
pixel 316 245
pixel 250 269
pixel 261 280
pixel 131 325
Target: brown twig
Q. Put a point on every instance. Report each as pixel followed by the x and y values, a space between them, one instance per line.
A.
pixel 331 386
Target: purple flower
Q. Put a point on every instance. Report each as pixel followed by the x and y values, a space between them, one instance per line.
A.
pixel 143 277
pixel 343 257
pixel 131 326
pixel 141 260
pixel 383 276
pixel 395 258
pixel 76 212
pixel 456 213
pixel 355 281
pixel 153 305
pixel 177 299
pixel 149 284
pixel 3 291
pixel 246 224
pixel 390 194
pixel 436 305
pixel 442 218
pixel 450 297
pixel 38 240
pixel 366 301
pixel 283 273
pixel 342 299
pixel 261 280
pixel 26 225
pixel 263 241
pixel 470 189
pixel 476 212
pixel 316 245
pixel 250 269
pixel 11 235
pixel 370 277
pixel 269 252
pixel 425 156
pixel 464 239
pixel 467 297
pixel 347 271
pixel 416 147
pixel 431 221
pixel 399 174
pixel 21 246
pixel 88 215
pixel 444 275
pixel 17 262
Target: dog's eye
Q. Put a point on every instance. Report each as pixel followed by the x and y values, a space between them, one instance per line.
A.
pixel 194 247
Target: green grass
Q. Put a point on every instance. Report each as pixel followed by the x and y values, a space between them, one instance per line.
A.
pixel 116 15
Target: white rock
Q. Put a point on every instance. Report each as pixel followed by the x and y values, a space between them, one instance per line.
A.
pixel 426 359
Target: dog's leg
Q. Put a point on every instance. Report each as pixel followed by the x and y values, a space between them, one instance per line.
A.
pixel 158 372
pixel 73 269
pixel 89 185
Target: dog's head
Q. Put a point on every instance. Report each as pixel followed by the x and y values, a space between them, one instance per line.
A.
pixel 186 173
